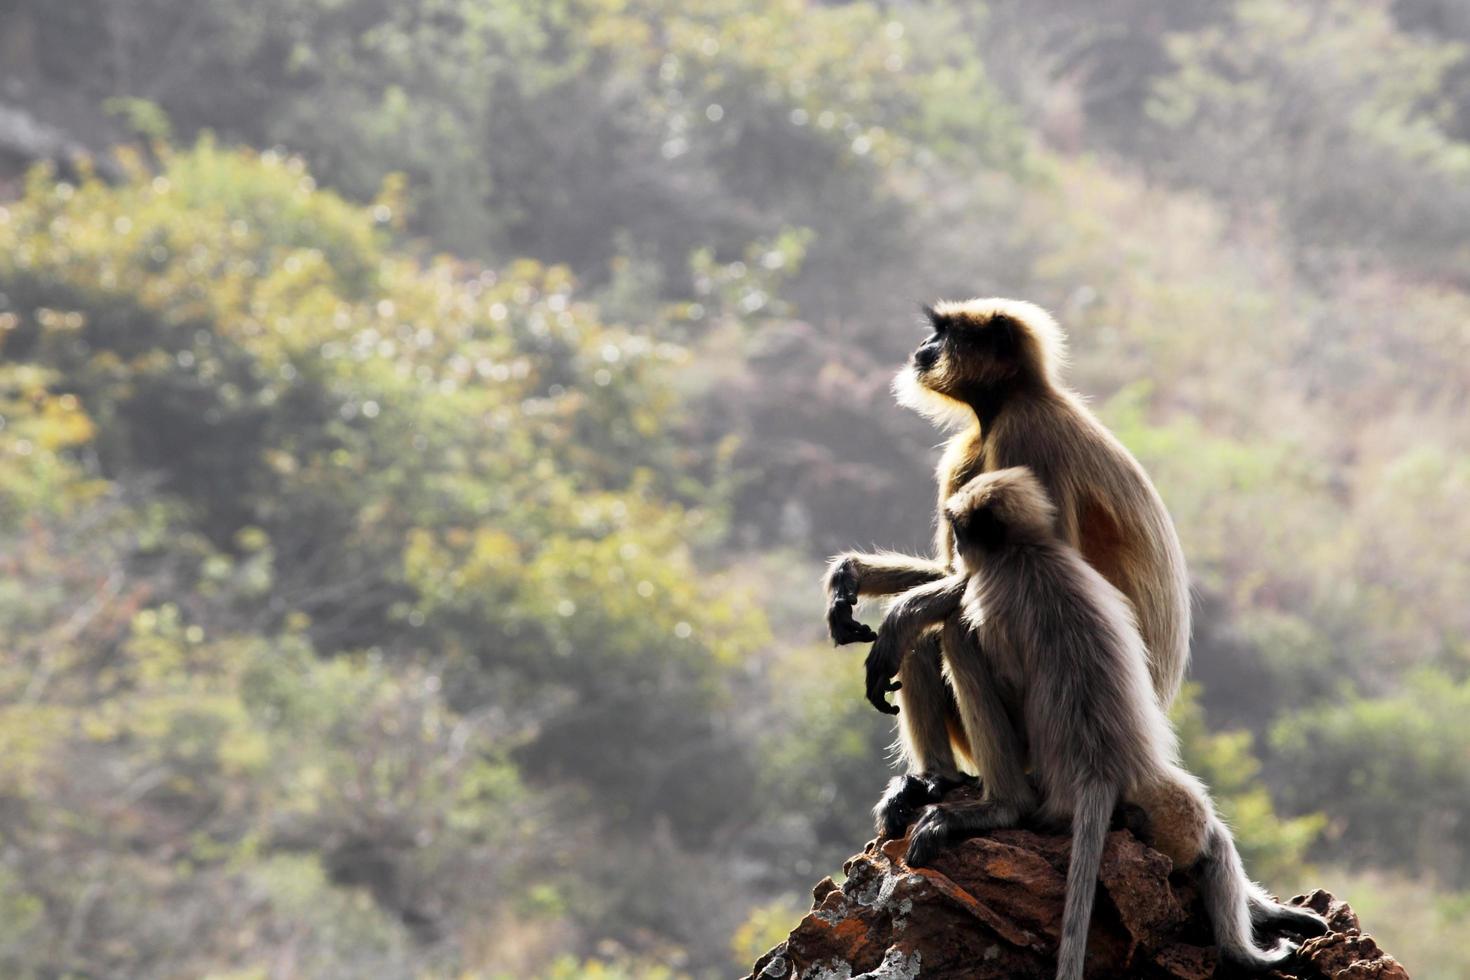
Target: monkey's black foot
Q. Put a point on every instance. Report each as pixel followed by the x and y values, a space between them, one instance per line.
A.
pixel 908 794
pixel 930 837
pixel 1303 922
pixel 1292 919
pixel 901 803
pixel 905 797
pixel 945 823
pixel 1134 819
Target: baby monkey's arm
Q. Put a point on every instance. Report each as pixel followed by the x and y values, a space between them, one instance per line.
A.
pixel 918 609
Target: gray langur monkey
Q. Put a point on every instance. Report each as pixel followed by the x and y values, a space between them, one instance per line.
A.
pixel 1049 672
pixel 991 367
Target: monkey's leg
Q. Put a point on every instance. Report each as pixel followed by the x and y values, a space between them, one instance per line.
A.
pixel 924 741
pixel 997 749
pixel 851 576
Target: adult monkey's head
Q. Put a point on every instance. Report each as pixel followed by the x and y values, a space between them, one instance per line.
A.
pixel 977 350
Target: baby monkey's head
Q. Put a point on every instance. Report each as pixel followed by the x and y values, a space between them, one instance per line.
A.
pixel 998 509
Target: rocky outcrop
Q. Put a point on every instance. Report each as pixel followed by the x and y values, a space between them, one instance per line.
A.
pixel 990 907
pixel 25 139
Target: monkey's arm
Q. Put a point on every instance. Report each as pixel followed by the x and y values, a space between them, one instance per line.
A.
pixel 852 575
pixel 919 609
pixel 1064 496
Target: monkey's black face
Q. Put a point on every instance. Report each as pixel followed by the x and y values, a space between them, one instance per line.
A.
pixel 963 352
pixel 929 352
pixel 979 528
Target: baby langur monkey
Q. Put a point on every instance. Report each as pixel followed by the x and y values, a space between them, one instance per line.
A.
pixel 1050 673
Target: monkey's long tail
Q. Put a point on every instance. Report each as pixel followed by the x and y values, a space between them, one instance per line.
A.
pixel 1089 831
pixel 1227 893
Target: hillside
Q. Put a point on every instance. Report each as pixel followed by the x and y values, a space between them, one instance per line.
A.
pixel 423 427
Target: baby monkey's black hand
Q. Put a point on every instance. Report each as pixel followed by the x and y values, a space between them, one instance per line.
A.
pixel 882 665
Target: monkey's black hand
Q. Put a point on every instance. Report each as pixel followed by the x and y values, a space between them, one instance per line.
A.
pixel 844 628
pixel 882 664
pixel 842 591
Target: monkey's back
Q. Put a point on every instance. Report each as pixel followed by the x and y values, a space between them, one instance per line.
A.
pixel 1110 511
pixel 1089 708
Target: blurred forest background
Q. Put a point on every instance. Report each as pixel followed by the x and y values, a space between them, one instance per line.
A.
pixel 423 425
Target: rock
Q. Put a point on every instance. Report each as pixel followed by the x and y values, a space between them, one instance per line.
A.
pixel 990 907
pixel 24 140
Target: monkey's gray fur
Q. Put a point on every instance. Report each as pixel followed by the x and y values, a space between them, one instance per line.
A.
pixel 1049 672
pixel 992 366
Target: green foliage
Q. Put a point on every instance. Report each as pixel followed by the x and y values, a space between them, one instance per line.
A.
pixel 548 129
pixel 1393 769
pixel 764 928
pixel 37 429
pixel 1359 141
pixel 455 481
pixel 569 968
pixel 157 772
pixel 1424 926
pixel 825 761
pixel 1273 847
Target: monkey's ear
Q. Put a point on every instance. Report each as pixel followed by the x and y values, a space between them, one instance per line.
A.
pixel 959 508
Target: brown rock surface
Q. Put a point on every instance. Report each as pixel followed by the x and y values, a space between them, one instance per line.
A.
pixel 991 908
